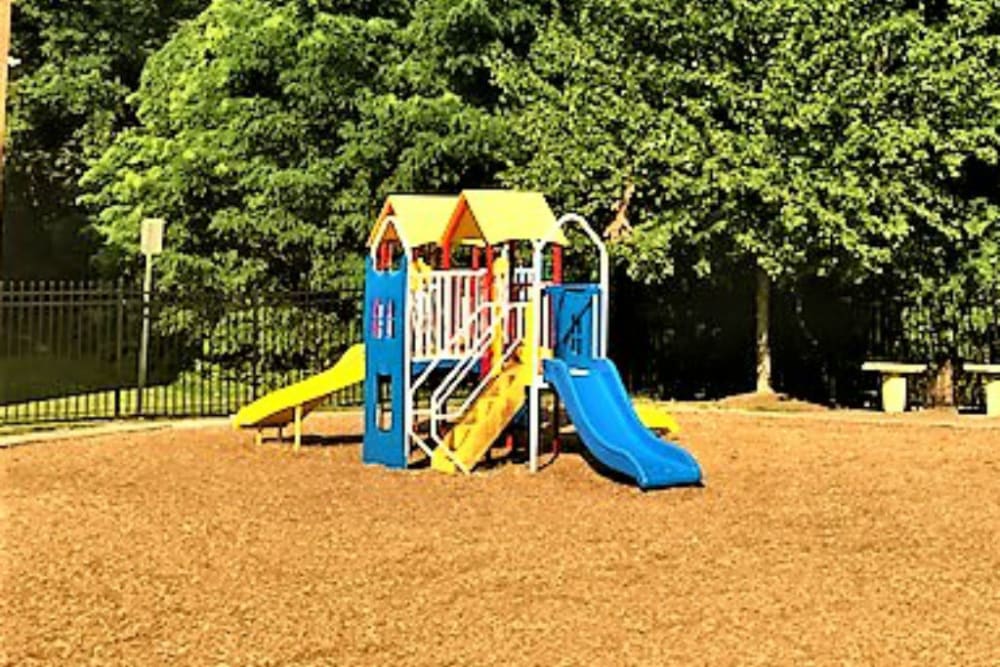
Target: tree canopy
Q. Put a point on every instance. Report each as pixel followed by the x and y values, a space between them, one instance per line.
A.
pixel 844 141
pixel 850 142
pixel 269 132
pixel 804 137
pixel 78 62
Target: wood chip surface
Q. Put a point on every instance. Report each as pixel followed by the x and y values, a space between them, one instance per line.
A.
pixel 812 543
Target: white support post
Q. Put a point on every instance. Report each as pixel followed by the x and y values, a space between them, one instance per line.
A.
pixel 605 291
pixel 409 398
pixel 297 433
pixel 150 244
pixel 147 288
pixel 534 405
pixel 596 335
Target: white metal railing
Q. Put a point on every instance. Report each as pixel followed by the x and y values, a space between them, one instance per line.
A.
pixel 442 303
pixel 546 334
pixel 520 289
pixel 463 332
pixel 512 339
pixel 451 318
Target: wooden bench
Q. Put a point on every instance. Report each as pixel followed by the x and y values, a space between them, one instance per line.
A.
pixel 893 382
pixel 991 374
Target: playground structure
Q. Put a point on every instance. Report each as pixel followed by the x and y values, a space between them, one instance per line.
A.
pixel 467 320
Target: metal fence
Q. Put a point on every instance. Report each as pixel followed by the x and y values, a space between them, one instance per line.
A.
pixel 697 341
pixel 70 351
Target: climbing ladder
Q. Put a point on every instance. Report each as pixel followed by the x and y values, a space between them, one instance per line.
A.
pixel 486 419
pixel 481 417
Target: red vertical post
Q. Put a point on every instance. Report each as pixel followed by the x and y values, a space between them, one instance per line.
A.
pixel 446 254
pixel 557 264
pixel 557 278
pixel 484 367
pixel 489 270
pixel 471 284
pixel 383 256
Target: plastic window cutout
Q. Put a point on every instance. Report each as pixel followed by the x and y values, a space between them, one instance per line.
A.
pixel 383 319
pixel 383 412
pixel 386 252
pixel 377 319
pixel 389 328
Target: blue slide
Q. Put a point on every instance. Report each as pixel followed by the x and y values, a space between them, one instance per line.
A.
pixel 602 412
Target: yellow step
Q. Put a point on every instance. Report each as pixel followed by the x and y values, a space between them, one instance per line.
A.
pixel 479 428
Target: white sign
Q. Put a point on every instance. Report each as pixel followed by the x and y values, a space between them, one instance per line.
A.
pixel 151 242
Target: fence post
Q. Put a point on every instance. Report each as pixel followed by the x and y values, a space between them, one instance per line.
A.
pixel 147 286
pixel 255 359
pixel 119 344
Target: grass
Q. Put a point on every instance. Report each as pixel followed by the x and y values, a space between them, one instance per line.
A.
pixel 208 393
pixel 26 378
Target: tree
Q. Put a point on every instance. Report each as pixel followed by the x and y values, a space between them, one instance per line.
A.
pixel 78 63
pixel 269 132
pixel 775 137
pixel 238 117
pixel 941 124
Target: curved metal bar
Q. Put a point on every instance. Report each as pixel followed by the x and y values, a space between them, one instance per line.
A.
pixel 605 267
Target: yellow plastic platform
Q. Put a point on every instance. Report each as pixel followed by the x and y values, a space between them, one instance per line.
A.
pixel 656 419
pixel 292 403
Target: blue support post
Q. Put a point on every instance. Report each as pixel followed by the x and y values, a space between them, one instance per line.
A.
pixel 385 366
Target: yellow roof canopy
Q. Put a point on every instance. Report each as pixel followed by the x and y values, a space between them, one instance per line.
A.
pixel 495 216
pixel 420 219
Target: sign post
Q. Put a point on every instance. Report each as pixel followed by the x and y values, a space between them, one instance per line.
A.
pixel 151 244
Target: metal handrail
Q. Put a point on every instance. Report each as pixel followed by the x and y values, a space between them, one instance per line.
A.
pixel 454 378
pixel 473 317
pixel 505 356
pixel 451 382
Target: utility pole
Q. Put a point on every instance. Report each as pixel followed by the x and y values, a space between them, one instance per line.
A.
pixel 4 68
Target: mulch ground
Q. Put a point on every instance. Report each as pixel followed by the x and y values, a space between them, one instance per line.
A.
pixel 812 543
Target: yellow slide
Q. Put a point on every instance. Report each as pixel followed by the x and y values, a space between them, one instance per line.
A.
pixel 292 403
pixel 656 419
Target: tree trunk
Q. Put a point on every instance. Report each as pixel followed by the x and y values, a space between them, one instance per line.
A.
pixel 942 389
pixel 763 337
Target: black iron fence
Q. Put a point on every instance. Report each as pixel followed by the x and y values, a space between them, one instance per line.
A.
pixel 696 341
pixel 70 351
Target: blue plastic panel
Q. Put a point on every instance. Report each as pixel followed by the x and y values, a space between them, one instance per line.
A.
pixel 385 307
pixel 574 309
